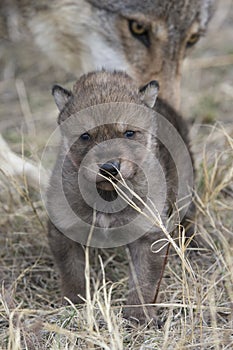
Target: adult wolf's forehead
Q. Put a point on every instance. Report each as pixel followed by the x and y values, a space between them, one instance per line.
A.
pixel 173 11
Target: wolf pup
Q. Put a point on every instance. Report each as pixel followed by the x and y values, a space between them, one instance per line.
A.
pixel 103 147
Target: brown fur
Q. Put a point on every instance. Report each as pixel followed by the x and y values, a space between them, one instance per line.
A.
pixel 90 90
pixel 85 35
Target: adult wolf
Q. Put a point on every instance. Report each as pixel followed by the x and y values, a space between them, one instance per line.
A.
pixel 149 39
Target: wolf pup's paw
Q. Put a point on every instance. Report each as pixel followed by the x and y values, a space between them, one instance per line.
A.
pixel 137 317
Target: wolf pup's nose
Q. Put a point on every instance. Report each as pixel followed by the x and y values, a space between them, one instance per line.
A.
pixel 110 168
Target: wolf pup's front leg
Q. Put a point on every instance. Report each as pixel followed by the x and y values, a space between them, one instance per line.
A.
pixel 70 259
pixel 145 272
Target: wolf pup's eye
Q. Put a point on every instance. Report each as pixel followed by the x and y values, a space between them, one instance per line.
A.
pixel 129 134
pixel 85 137
pixel 140 31
pixel 192 40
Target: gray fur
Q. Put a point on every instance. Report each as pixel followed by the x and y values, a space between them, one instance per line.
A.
pixel 91 90
pixel 85 35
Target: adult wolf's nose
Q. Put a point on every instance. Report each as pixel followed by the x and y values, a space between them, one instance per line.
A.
pixel 110 168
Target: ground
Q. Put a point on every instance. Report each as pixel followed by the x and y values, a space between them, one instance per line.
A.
pixel 195 304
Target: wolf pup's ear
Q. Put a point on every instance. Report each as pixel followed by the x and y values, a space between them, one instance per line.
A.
pixel 149 93
pixel 61 96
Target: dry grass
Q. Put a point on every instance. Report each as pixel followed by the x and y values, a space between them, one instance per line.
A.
pixel 195 304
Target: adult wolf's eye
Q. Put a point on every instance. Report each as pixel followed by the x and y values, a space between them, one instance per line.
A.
pixel 192 40
pixel 85 137
pixel 140 31
pixel 129 134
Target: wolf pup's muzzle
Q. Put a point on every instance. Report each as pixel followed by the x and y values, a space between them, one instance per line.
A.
pixel 110 169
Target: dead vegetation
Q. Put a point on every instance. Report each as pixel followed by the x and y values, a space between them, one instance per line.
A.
pixel 195 305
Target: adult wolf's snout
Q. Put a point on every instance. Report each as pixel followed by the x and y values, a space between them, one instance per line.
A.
pixel 110 168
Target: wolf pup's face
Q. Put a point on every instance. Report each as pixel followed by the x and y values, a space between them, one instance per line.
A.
pixel 109 152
